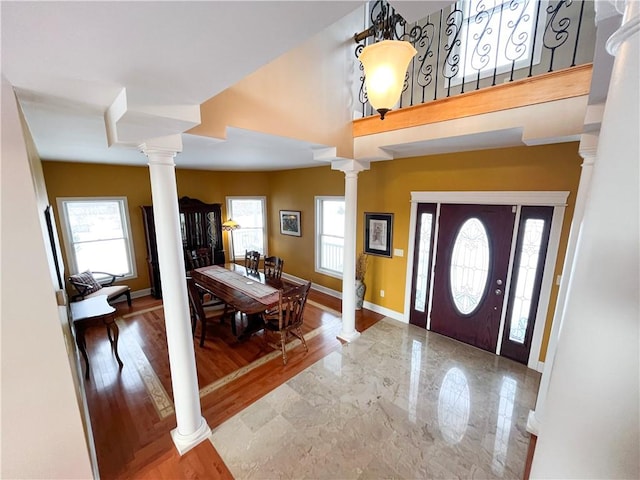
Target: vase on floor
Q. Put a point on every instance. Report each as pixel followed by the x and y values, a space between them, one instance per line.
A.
pixel 360 289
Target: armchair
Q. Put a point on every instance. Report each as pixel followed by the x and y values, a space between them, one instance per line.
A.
pixel 87 286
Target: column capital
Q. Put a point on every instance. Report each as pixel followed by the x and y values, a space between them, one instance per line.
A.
pixel 350 166
pixel 630 26
pixel 588 147
pixel 167 146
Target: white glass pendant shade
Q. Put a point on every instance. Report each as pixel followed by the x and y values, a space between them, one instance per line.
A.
pixel 385 65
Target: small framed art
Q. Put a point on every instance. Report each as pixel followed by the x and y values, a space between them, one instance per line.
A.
pixel 290 222
pixel 378 234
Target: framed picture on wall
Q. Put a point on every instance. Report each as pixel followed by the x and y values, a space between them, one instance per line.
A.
pixel 378 234
pixel 290 223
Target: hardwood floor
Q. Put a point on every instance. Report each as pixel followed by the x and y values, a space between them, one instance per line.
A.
pixel 131 410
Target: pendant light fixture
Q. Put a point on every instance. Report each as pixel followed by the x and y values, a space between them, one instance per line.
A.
pixel 385 62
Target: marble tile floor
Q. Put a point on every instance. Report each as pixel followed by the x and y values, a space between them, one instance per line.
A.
pixel 399 402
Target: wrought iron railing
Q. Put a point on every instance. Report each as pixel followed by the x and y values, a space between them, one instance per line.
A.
pixel 475 44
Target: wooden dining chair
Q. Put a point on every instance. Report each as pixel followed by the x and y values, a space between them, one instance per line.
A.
pixel 252 261
pixel 198 258
pixel 202 313
pixel 273 267
pixel 287 318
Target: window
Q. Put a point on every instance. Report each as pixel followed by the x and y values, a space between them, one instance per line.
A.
pixel 424 248
pixel 249 213
pixel 96 234
pixel 330 235
pixel 497 37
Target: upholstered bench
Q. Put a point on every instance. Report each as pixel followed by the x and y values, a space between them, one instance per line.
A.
pixel 87 287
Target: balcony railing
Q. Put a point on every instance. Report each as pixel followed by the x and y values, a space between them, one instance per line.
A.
pixel 332 253
pixel 475 44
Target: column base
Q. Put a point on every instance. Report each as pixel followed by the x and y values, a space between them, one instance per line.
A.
pixel 348 337
pixel 184 443
pixel 533 425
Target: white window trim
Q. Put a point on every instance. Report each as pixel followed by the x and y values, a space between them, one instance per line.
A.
pixel 318 269
pixel 265 224
pixel 66 233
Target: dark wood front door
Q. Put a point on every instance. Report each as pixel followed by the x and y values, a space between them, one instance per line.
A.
pixel 472 259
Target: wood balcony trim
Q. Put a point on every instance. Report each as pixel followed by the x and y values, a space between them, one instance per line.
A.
pixel 567 83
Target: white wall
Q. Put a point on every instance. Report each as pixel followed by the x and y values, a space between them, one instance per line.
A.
pixel 42 433
pixel 591 424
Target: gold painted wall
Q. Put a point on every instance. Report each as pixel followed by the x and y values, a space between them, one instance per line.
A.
pixel 65 179
pixel 71 179
pixel 385 187
pixel 296 190
pixel 214 187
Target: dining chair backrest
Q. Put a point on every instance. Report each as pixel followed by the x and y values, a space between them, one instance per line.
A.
pixel 273 267
pixel 199 258
pixel 287 317
pixel 195 299
pixel 291 307
pixel 195 294
pixel 252 261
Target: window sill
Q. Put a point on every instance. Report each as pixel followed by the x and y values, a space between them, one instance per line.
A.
pixel 329 273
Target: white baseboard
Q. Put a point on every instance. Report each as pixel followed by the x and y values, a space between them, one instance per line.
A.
pixel 327 291
pixel 368 305
pixel 141 293
pixel 314 286
pixel 137 294
pixel 540 367
pixel 385 311
pixel 533 425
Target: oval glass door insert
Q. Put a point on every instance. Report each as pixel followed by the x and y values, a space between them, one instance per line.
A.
pixel 469 266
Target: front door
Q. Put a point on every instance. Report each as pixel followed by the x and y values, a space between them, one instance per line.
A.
pixel 471 264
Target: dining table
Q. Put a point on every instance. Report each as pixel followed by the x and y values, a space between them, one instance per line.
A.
pixel 245 292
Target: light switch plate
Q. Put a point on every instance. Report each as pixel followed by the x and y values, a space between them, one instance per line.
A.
pixel 398 252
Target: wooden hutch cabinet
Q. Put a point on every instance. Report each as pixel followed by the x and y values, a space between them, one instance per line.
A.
pixel 201 227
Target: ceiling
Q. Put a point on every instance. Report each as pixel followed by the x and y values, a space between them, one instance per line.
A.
pixel 68 61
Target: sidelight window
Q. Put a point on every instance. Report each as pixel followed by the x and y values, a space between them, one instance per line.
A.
pixel 526 274
pixel 425 242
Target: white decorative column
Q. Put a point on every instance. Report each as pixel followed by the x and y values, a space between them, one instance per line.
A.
pixel 351 168
pixel 587 150
pixel 590 426
pixel 191 427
